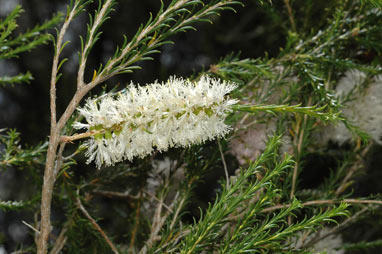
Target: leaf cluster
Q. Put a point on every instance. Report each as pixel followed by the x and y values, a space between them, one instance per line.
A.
pixel 14 155
pixel 12 45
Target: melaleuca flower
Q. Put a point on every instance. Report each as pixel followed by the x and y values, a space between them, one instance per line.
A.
pixel 177 113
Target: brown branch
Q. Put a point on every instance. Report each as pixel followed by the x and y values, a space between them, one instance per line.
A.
pixel 158 200
pixel 115 194
pixel 95 225
pixel 324 202
pixel 56 128
pixel 49 172
pixel 295 168
pixel 290 14
pixel 299 133
pixel 59 160
pixel 158 222
pixel 177 212
pixel 31 227
pixel 136 223
pixel 180 234
pixel 70 139
pixel 224 164
pixel 298 143
pixel 61 240
pixel 176 237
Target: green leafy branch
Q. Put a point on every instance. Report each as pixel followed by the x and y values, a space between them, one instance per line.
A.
pixel 11 205
pixel 312 111
pixel 11 47
pixel 179 16
pixel 376 3
pixel 14 155
pixel 17 79
pixel 248 231
pixel 208 229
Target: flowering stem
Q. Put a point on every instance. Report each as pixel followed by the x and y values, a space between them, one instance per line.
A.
pixel 70 139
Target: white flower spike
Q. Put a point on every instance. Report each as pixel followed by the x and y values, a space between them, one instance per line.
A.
pixel 177 113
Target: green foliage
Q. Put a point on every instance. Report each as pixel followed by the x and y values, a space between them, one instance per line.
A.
pixel 209 229
pixel 179 16
pixel 310 111
pixel 377 3
pixel 14 155
pixel 231 226
pixel 362 246
pixel 11 205
pixel 11 46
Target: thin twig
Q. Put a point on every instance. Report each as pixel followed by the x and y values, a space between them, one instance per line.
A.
pixel 31 227
pixel 224 165
pixel 61 240
pixel 36 222
pixel 70 139
pixel 136 223
pixel 180 206
pixel 95 225
pixel 357 165
pixel 69 157
pixel 158 222
pixel 290 14
pixel 324 202
pixel 178 236
pixel 295 168
pixel 158 200
pixel 299 133
pixel 115 194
